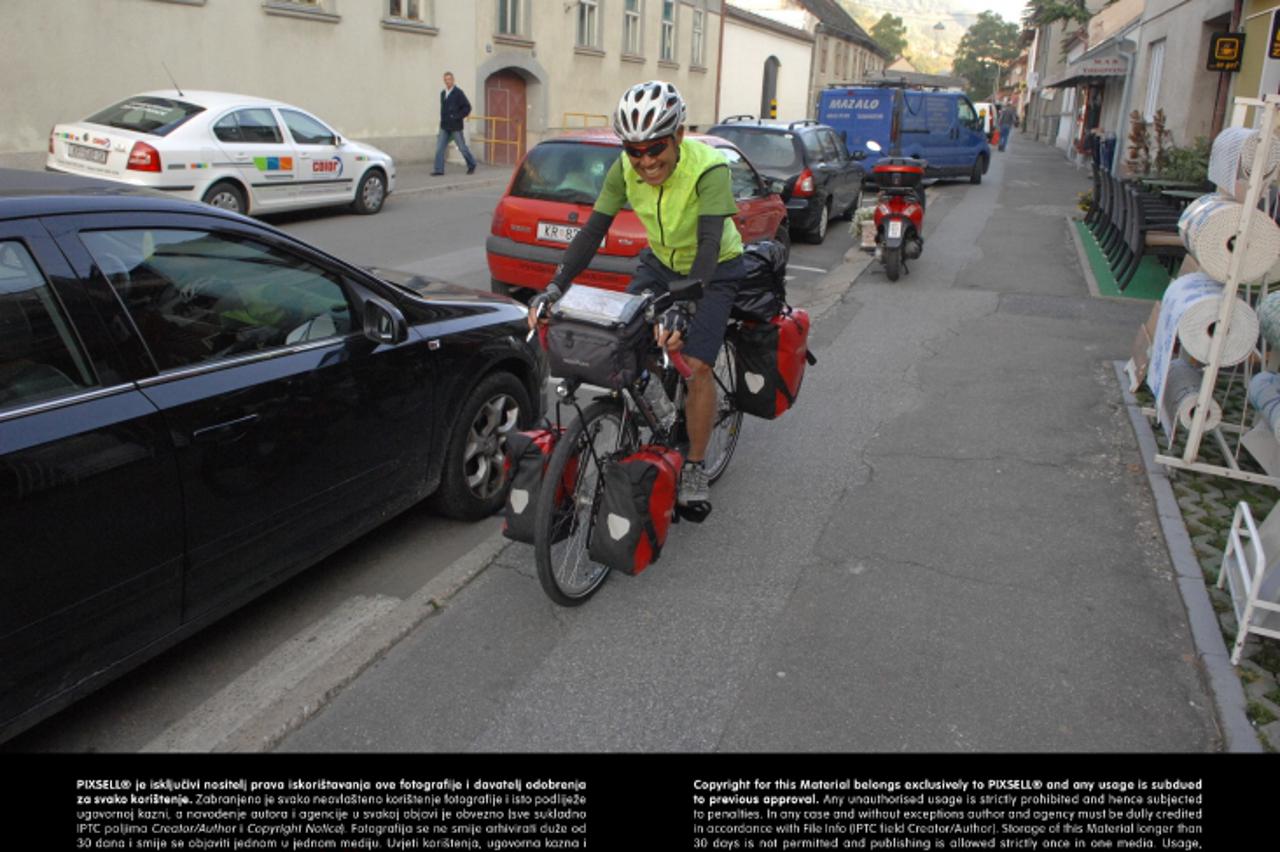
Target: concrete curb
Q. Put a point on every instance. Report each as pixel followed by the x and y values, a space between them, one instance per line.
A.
pixel 450 186
pixel 1224 686
pixel 291 710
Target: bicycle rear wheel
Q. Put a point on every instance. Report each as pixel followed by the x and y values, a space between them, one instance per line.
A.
pixel 728 422
pixel 563 528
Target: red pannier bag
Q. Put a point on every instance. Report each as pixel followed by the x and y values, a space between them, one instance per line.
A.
pixel 635 509
pixel 526 464
pixel 771 362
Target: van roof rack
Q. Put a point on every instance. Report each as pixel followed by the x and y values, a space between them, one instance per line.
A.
pixel 804 122
pixel 934 82
pixel 743 117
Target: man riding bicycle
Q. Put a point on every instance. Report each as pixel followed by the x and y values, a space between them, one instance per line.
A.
pixel 681 191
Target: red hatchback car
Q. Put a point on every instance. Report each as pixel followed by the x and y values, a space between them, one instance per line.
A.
pixel 550 197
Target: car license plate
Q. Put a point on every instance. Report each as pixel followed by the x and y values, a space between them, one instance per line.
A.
pixel 82 152
pixel 895 229
pixel 555 233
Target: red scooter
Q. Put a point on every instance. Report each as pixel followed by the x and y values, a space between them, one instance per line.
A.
pixel 899 215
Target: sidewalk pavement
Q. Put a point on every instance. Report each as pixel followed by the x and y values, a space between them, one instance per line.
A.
pixel 414 178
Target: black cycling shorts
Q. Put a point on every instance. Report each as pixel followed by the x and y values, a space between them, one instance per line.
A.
pixel 706 329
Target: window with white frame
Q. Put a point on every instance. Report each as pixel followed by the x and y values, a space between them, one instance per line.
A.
pixel 632 13
pixel 698 37
pixel 589 23
pixel 415 11
pixel 1155 68
pixel 667 52
pixel 511 17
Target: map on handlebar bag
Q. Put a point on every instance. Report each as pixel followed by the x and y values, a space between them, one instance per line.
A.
pixel 597 305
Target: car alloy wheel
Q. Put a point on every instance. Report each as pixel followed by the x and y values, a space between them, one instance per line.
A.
pixel 486 445
pixel 818 232
pixel 371 193
pixel 225 197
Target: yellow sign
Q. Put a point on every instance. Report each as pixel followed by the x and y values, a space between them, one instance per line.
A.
pixel 1225 50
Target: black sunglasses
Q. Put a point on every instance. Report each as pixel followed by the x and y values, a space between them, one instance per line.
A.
pixel 651 150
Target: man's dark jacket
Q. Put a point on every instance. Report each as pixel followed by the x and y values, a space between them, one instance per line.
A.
pixel 454 107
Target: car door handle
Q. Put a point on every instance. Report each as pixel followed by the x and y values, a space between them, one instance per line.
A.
pixel 229 430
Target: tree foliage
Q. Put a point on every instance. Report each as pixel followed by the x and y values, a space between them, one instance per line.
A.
pixel 891 34
pixel 1041 13
pixel 986 48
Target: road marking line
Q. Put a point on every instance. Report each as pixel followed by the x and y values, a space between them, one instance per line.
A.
pixel 205 727
pixel 807 268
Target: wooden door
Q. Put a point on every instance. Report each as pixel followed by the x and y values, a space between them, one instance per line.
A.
pixel 504 103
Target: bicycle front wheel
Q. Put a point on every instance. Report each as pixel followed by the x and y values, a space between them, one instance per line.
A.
pixel 565 515
pixel 728 422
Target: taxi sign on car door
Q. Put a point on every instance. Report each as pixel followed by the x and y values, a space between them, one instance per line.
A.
pixel 1225 51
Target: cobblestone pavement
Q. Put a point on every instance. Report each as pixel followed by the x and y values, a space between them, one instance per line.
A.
pixel 1208 505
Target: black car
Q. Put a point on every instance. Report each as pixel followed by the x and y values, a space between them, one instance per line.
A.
pixel 819 180
pixel 194 406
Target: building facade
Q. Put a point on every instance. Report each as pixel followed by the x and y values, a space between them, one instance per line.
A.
pixel 1170 71
pixel 1148 57
pixel 771 67
pixel 843 52
pixel 372 68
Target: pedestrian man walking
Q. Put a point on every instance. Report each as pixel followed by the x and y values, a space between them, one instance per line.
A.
pixel 1008 118
pixel 454 107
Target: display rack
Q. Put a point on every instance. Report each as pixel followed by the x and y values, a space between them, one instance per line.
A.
pixel 1258 181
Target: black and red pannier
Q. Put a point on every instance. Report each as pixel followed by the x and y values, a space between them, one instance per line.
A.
pixel 526 461
pixel 771 362
pixel 635 509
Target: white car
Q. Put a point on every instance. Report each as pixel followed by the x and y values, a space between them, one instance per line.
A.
pixel 237 152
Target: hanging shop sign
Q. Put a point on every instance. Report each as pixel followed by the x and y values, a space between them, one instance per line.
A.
pixel 1273 46
pixel 1102 66
pixel 1226 49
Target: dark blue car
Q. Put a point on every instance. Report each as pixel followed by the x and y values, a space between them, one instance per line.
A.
pixel 194 406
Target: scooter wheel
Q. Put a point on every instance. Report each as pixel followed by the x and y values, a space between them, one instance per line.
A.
pixel 893 263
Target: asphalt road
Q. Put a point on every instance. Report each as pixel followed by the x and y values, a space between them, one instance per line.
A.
pixel 949 546
pixel 195 694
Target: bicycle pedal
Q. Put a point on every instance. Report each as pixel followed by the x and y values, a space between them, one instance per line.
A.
pixel 694 512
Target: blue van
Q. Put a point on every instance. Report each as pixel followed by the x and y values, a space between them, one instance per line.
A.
pixel 942 128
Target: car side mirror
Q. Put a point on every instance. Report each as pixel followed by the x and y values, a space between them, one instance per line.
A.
pixel 383 322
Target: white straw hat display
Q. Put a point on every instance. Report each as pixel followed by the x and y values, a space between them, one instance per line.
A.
pixel 1208 228
pixel 1182 389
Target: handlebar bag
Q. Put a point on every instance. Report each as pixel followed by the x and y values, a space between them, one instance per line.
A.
pixel 762 293
pixel 771 361
pixel 525 463
pixel 598 337
pixel 635 509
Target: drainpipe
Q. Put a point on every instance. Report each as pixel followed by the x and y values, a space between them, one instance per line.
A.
pixel 724 13
pixel 1128 49
pixel 1224 80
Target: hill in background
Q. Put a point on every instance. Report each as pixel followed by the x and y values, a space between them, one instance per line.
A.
pixel 929 48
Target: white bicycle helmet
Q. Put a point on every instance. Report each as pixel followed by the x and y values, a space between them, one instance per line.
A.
pixel 648 111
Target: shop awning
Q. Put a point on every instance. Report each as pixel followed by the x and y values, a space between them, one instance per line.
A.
pixel 1102 63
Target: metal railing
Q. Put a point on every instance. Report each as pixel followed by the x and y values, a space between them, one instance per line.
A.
pixel 586 119
pixel 510 141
